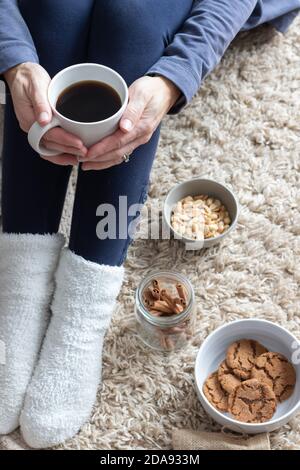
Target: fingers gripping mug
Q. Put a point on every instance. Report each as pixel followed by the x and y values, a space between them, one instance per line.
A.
pixel 88 132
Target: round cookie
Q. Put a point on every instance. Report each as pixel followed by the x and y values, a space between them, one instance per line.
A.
pixel 252 402
pixel 214 392
pixel 241 356
pixel 227 378
pixel 276 371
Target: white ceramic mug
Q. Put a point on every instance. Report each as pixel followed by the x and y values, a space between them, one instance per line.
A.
pixel 89 132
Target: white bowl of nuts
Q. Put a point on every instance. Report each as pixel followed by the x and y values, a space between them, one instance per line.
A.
pixel 247 375
pixel 201 212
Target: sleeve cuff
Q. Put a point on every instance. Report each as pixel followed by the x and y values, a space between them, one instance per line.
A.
pixel 181 75
pixel 10 56
pixel 283 23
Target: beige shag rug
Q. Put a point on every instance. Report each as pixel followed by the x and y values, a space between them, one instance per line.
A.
pixel 243 128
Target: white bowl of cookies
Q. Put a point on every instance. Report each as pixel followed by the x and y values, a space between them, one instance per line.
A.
pixel 247 376
pixel 200 212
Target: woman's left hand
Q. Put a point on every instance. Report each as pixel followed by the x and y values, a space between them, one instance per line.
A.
pixel 150 98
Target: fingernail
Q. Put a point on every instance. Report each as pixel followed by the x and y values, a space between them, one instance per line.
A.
pixel 44 116
pixel 127 124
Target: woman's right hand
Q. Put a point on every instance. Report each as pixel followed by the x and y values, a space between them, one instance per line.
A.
pixel 28 84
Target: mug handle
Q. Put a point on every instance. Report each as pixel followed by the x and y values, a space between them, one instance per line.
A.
pixel 35 135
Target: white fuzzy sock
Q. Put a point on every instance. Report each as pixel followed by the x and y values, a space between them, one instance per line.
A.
pixel 63 389
pixel 27 266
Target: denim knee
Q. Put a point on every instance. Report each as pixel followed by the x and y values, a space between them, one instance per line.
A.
pixel 147 22
pixel 123 18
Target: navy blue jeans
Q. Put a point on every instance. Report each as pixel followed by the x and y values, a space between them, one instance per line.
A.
pixel 128 36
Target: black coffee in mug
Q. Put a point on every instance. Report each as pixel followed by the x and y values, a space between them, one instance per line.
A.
pixel 88 101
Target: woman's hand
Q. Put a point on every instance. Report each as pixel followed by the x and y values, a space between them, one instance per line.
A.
pixel 28 84
pixel 150 98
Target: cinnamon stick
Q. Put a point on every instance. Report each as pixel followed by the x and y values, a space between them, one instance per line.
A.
pixel 155 293
pixel 164 295
pixel 148 297
pixel 178 308
pixel 156 313
pixel 181 291
pixel 156 284
pixel 161 306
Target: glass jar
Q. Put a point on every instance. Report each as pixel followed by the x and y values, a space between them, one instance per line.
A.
pixel 165 333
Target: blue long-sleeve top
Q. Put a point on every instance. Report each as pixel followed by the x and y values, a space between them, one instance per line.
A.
pixel 195 50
